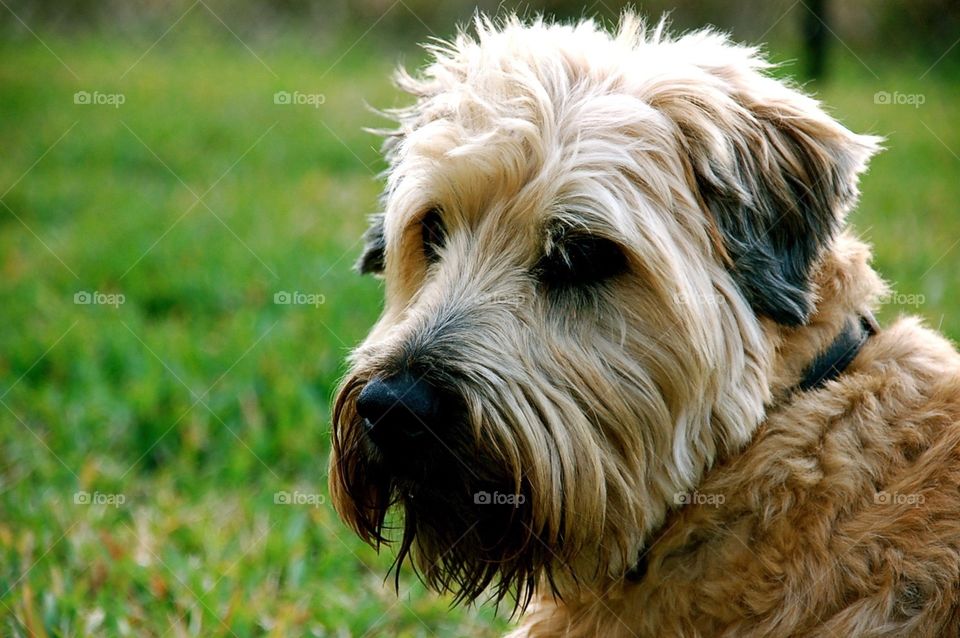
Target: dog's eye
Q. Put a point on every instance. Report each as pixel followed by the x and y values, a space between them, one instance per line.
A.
pixel 433 234
pixel 579 260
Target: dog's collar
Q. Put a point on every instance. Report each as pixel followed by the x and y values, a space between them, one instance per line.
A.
pixel 836 357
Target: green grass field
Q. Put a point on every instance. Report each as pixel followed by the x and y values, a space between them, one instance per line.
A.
pixel 195 398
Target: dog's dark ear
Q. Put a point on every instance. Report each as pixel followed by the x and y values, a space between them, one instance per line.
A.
pixel 775 173
pixel 373 259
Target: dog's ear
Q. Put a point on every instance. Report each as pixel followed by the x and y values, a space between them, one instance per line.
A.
pixel 775 173
pixel 373 259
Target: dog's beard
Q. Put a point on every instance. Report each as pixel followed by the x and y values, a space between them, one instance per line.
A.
pixel 465 547
pixel 582 430
pixel 598 435
pixel 468 517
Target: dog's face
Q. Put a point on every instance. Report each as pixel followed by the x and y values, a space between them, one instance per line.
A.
pixel 587 240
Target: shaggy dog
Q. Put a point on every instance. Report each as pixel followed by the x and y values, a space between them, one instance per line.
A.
pixel 626 369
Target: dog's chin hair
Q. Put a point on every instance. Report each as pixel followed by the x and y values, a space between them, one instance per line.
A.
pixel 453 545
pixel 501 558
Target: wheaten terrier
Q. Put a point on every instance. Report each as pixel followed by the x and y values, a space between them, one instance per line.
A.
pixel 627 371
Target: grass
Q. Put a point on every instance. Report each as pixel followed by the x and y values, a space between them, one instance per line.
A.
pixel 198 399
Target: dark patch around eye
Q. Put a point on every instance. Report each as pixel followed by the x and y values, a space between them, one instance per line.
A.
pixel 433 234
pixel 580 259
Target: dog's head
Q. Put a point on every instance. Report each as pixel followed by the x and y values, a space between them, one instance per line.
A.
pixel 584 241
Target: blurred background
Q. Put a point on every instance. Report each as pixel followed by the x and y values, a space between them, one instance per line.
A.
pixel 183 186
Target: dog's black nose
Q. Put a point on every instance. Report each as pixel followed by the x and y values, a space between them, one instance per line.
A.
pixel 398 409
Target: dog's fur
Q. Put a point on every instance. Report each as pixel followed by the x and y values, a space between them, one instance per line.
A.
pixel 716 197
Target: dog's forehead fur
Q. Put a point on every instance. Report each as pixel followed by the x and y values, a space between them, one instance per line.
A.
pixel 527 114
pixel 540 83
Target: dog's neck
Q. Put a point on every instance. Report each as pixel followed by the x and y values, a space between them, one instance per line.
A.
pixel 846 291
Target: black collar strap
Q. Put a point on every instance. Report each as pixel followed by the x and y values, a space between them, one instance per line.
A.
pixel 830 364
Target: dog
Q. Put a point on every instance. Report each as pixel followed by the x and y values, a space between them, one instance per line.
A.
pixel 627 373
